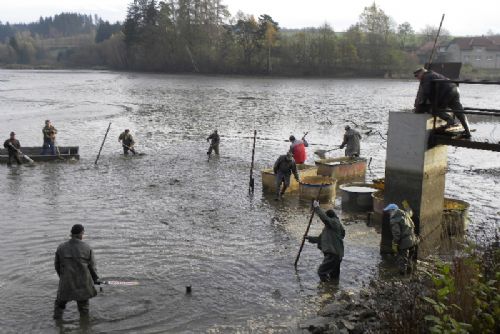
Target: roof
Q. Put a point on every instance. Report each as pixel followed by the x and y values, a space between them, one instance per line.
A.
pixel 468 43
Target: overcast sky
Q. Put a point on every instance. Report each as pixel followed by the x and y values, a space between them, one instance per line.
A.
pixel 462 17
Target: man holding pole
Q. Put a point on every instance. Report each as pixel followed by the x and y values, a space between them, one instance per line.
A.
pixel 127 142
pixel 330 242
pixel 75 265
pixel 13 146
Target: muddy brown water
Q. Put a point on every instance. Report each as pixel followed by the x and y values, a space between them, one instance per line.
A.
pixel 170 218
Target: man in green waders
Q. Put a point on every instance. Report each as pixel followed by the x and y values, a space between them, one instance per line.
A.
pixel 330 242
pixel 75 265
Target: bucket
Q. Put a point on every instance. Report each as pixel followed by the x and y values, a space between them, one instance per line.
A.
pixel 310 185
pixel 269 178
pixel 357 197
pixel 342 167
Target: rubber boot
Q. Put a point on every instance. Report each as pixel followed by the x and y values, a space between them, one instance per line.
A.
pixel 465 124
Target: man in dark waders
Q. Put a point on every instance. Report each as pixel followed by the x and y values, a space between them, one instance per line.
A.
pixel 444 94
pixel 283 169
pixel 351 142
pixel 75 265
pixel 214 139
pixel 127 142
pixel 330 242
pixel 404 241
pixel 12 145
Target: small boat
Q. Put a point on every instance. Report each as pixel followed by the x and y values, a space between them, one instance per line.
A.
pixel 342 168
pixel 35 153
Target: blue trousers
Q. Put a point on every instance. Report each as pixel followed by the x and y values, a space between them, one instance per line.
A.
pixel 48 147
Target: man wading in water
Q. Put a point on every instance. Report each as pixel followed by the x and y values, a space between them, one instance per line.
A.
pixel 127 142
pixel 12 145
pixel 214 139
pixel 351 140
pixel 283 169
pixel 330 242
pixel 75 265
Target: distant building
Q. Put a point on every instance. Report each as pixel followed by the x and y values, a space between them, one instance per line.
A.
pixel 480 52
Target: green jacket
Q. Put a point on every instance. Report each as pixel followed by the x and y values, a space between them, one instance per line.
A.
pixel 75 265
pixel 48 130
pixel 351 139
pixel 403 229
pixel 126 139
pixel 331 239
pixel 286 166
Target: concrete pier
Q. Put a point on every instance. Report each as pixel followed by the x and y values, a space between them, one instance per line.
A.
pixel 416 174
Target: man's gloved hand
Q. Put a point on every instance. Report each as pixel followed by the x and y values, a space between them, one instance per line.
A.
pixel 395 248
pixel 315 204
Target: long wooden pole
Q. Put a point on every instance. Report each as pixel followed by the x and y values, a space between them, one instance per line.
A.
pixel 100 149
pixel 307 229
pixel 428 65
pixel 252 181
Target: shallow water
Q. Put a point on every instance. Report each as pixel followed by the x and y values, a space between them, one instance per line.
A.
pixel 171 218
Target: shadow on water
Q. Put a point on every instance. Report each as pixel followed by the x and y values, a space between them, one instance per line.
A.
pixel 170 218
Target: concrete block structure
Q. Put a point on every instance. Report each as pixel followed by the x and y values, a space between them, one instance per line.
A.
pixel 415 173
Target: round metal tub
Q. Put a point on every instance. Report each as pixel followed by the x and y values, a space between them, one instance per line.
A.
pixel 342 167
pixel 357 197
pixel 310 185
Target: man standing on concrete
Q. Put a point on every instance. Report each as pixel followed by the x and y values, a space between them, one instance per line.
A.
pixel 13 146
pixel 403 237
pixel 298 149
pixel 49 139
pixel 127 142
pixel 283 169
pixel 330 242
pixel 351 140
pixel 444 94
pixel 75 266
pixel 214 139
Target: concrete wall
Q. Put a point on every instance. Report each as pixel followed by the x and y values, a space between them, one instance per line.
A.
pixel 415 173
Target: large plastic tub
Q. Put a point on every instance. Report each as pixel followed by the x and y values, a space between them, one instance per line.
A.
pixel 269 179
pixel 310 186
pixel 342 167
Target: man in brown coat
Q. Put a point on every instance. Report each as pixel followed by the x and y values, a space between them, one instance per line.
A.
pixel 75 265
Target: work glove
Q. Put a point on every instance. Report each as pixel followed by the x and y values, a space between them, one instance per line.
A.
pixel 395 248
pixel 315 204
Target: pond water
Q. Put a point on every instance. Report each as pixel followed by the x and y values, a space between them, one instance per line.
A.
pixel 170 218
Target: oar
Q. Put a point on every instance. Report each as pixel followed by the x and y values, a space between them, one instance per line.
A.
pixel 22 154
pixel 252 181
pixel 125 283
pixel 100 149
pixel 58 152
pixel 307 229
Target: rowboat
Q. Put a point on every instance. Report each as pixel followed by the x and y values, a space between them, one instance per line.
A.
pixel 35 153
pixel 342 168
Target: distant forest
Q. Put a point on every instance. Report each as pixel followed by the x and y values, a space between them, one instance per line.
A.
pixel 201 36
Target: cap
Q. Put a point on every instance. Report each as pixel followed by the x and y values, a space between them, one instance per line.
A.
pixel 330 213
pixel 347 127
pixel 12 133
pixel 292 138
pixel 391 207
pixel 127 130
pixel 418 70
pixel 77 229
pixel 47 120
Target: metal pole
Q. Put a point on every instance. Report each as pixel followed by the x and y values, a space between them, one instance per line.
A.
pixel 435 42
pixel 100 149
pixel 252 181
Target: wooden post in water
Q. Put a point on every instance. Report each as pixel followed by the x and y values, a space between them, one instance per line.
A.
pixel 307 229
pixel 252 181
pixel 100 149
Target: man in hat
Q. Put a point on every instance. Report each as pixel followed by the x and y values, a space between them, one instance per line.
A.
pixel 351 142
pixel 127 142
pixel 214 139
pixel 75 265
pixel 443 94
pixel 298 149
pixel 283 169
pixel 49 138
pixel 330 242
pixel 13 146
pixel 404 240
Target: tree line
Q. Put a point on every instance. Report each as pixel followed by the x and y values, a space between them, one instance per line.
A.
pixel 201 36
